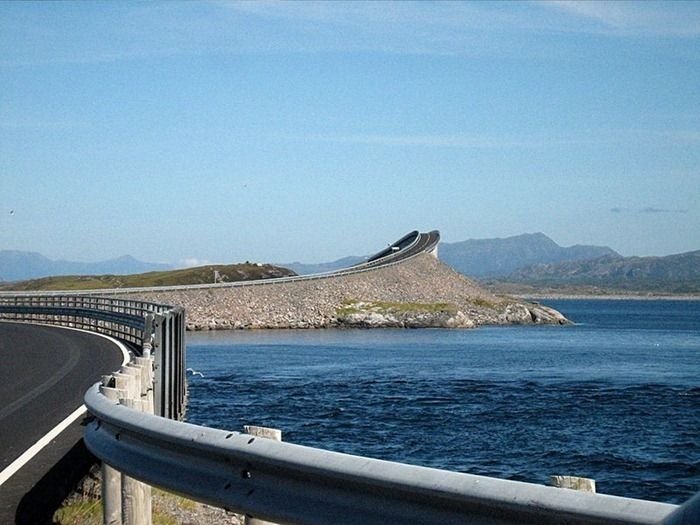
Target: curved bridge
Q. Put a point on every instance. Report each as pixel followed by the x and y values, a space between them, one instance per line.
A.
pixel 278 481
pixel 409 246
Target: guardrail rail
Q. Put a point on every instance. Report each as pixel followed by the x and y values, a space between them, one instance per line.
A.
pixel 153 328
pixel 293 484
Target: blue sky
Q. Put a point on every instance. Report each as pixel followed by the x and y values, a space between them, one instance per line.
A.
pixel 276 132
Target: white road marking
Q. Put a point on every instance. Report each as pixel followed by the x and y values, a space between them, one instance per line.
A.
pixel 32 451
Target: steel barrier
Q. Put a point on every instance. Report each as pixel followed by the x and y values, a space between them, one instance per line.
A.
pixel 293 484
pixel 150 328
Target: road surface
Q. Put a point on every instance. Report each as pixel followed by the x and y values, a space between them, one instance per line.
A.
pixel 44 373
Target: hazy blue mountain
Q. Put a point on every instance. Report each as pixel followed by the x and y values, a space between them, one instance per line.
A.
pixel 488 258
pixel 307 269
pixel 678 273
pixel 18 266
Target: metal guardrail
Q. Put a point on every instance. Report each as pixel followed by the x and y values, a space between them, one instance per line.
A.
pixel 288 483
pixel 159 329
pixel 402 243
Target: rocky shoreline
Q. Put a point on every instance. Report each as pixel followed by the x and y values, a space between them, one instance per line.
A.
pixel 420 292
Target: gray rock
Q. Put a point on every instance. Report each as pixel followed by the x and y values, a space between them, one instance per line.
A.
pixel 424 292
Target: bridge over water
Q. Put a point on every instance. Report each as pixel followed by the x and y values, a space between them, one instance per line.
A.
pixel 137 429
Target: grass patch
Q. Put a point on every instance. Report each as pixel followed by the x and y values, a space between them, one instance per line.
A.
pixel 483 303
pixel 200 275
pixel 349 307
pixel 87 512
pixel 181 501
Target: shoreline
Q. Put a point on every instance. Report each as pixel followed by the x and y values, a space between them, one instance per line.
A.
pixel 606 297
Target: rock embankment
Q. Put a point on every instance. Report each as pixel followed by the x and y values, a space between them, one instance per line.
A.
pixel 420 292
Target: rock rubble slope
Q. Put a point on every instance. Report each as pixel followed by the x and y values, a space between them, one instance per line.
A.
pixel 419 292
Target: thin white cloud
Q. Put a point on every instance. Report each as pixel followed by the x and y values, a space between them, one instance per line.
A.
pixel 451 21
pixel 670 19
pixel 649 210
pixel 127 31
pixel 662 210
pixel 191 262
pixel 635 135
pixel 444 140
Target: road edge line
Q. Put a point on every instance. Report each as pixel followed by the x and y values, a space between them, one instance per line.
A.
pixel 32 451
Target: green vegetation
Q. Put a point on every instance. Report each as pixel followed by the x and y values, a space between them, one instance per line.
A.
pixel 89 511
pixel 200 275
pixel 180 501
pixel 483 303
pixel 351 306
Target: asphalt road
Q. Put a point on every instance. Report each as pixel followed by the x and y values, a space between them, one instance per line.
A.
pixel 44 373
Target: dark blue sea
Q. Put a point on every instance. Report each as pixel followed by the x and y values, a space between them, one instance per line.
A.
pixel 616 397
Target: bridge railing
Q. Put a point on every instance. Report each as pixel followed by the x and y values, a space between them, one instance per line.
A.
pixel 148 327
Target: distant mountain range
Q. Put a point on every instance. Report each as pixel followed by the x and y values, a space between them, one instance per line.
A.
pixel 535 262
pixel 309 268
pixel 482 258
pixel 19 266
pixel 489 258
pixel 670 274
pixel 532 261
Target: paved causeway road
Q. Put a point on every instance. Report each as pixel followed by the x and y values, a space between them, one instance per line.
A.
pixel 44 373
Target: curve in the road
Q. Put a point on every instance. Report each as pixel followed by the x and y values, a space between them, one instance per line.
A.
pixel 44 372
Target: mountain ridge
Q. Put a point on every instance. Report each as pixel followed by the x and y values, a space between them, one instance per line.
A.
pixel 184 276
pixel 675 274
pixel 16 265
pixel 311 268
pixel 498 257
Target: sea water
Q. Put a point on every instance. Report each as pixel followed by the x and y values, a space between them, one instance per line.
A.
pixel 615 397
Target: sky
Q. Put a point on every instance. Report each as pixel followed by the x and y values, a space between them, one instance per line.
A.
pixel 202 132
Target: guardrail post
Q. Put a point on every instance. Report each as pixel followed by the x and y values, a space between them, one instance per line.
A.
pixel 146 364
pixel 147 336
pixel 111 478
pixel 266 433
pixel 136 496
pixel 181 350
pixel 159 366
pixel 573 482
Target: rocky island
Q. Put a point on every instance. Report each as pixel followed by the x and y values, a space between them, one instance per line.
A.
pixel 418 292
